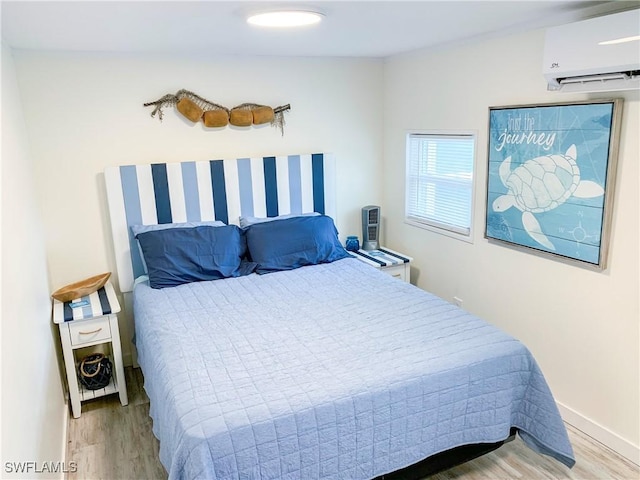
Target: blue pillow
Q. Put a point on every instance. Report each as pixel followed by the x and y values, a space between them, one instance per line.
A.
pixel 293 243
pixel 183 255
pixel 136 229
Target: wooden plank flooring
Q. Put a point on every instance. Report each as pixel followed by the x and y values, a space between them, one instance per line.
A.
pixel 109 441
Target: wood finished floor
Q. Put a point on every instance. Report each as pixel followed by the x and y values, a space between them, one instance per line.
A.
pixel 112 442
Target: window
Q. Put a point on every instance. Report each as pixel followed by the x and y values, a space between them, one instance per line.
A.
pixel 439 184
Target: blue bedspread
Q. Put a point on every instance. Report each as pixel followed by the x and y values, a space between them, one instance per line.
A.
pixel 333 371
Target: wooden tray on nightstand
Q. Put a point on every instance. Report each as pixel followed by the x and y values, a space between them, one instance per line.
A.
pixel 81 288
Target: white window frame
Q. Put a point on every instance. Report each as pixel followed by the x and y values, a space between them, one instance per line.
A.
pixel 437 227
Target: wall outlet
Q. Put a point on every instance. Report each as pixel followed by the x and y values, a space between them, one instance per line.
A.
pixel 457 301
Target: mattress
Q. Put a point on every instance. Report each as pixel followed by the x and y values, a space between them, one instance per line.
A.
pixel 333 371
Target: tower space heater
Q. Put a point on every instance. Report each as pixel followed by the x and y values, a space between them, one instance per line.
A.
pixel 370 227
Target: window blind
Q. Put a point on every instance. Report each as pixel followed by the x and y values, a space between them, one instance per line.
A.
pixel 440 181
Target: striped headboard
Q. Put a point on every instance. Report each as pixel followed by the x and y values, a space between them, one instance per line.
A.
pixel 212 190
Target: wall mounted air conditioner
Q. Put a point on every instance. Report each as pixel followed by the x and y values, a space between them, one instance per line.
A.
pixel 597 55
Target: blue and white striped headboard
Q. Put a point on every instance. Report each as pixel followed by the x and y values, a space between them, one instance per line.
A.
pixel 212 190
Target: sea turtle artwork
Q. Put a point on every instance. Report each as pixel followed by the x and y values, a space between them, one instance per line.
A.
pixel 542 184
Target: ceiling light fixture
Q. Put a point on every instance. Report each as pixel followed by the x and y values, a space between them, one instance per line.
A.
pixel 285 18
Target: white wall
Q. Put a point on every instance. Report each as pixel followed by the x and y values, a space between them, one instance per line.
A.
pixel 33 406
pixel 84 112
pixel 582 326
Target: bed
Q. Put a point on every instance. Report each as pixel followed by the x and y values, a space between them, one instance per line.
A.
pixel 328 369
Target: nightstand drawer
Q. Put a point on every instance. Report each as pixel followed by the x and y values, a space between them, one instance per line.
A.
pixel 89 331
pixel 397 271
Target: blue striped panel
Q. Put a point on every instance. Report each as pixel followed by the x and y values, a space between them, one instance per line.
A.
pixel 68 312
pixel 270 186
pixel 318 182
pixel 191 194
pixel 87 311
pixel 219 190
pixel 104 301
pixel 370 257
pixel 161 192
pixel 133 213
pixel 245 186
pixel 400 257
pixel 295 184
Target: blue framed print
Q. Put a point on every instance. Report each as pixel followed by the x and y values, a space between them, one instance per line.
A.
pixel 551 174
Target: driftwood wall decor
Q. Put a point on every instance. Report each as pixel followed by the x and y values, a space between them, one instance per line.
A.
pixel 194 107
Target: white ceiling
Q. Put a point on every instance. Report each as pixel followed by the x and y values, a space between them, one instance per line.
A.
pixel 350 28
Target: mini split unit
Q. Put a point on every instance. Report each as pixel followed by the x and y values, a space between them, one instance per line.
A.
pixel 597 55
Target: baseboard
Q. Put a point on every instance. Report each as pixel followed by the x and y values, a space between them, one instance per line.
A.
pixel 65 439
pixel 603 435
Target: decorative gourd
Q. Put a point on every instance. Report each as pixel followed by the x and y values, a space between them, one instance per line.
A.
pixel 189 109
pixel 215 118
pixel 262 115
pixel 240 117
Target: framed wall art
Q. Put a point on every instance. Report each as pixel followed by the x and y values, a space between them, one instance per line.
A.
pixel 551 175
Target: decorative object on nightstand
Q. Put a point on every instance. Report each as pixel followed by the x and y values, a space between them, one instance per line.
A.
pixel 82 288
pixel 95 371
pixel 352 244
pixel 91 321
pixel 389 261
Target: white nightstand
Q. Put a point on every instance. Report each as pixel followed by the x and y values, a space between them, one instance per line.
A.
pixel 391 262
pixel 95 323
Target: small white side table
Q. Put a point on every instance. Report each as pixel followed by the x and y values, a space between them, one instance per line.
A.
pixel 396 264
pixel 93 322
